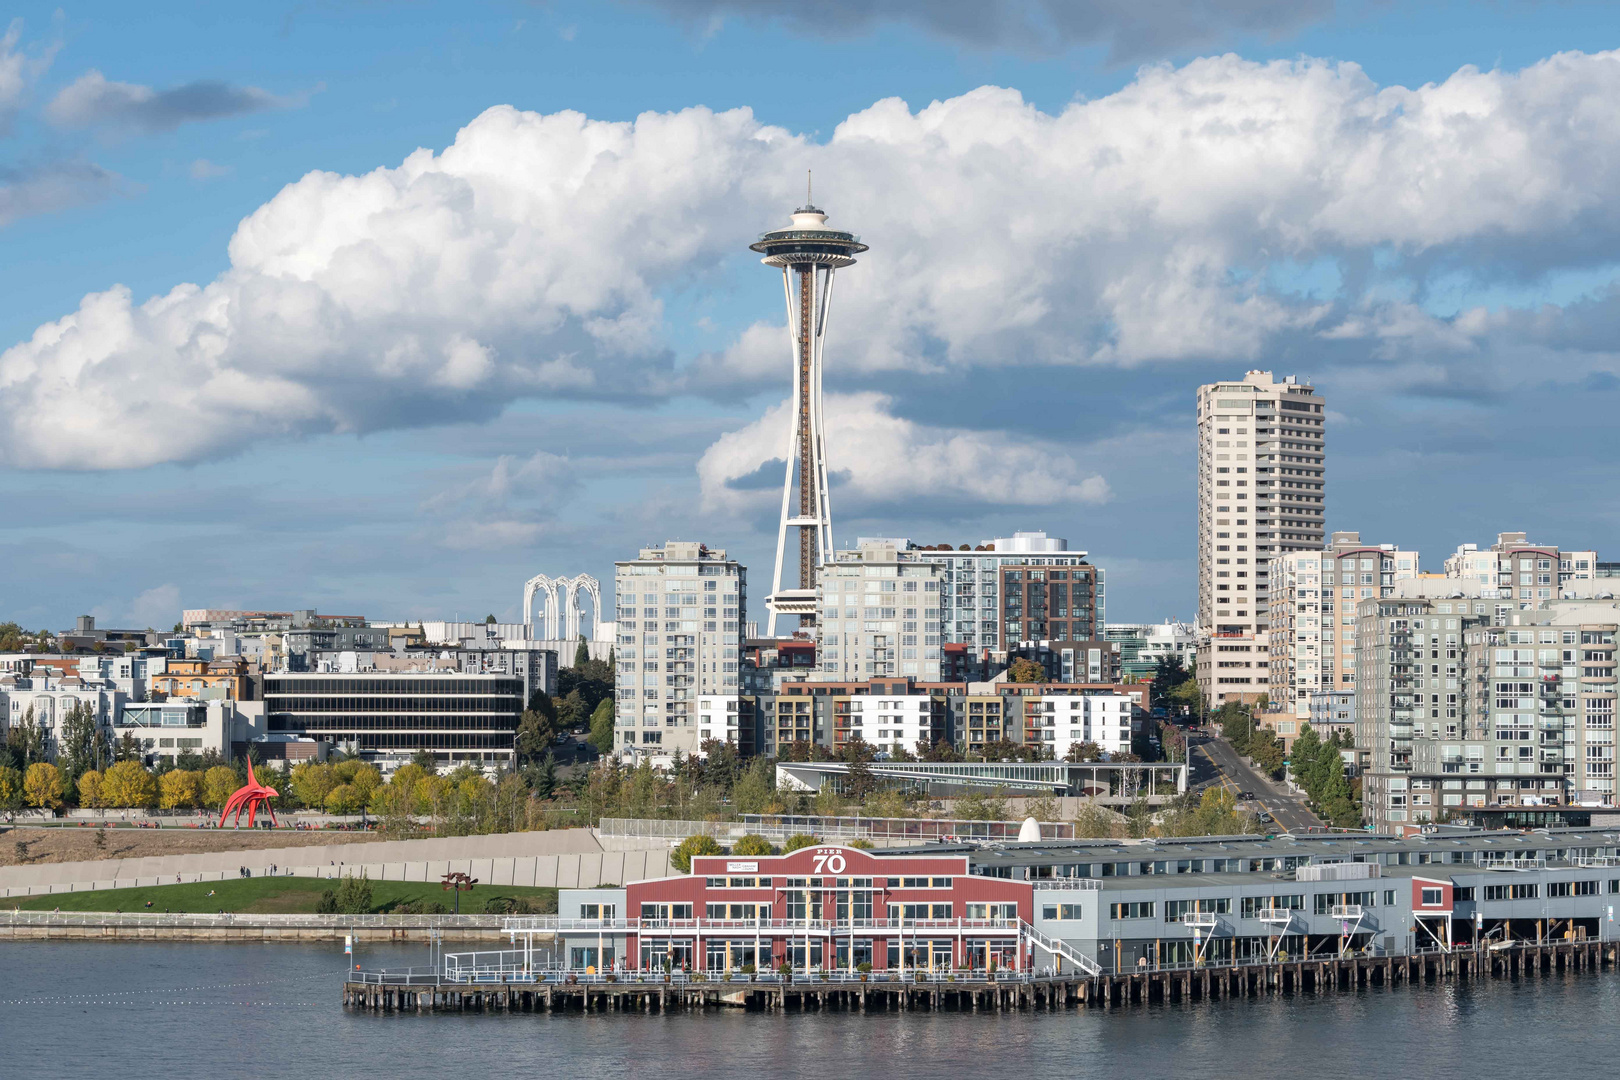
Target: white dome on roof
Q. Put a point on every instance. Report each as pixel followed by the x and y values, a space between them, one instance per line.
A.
pixel 1029 832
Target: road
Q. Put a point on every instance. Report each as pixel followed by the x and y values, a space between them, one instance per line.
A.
pixel 1235 772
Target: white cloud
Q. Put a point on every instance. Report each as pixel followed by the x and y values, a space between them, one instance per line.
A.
pixel 13 73
pixel 884 460
pixel 529 258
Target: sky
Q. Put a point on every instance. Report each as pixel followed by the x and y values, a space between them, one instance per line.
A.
pixel 384 308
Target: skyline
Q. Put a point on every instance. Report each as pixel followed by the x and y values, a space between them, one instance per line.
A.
pixel 490 378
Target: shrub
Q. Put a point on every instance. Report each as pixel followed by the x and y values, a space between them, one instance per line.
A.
pixel 354 895
pixel 751 844
pixel 327 904
pixel 799 840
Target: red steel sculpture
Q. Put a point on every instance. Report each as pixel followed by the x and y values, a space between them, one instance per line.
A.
pixel 249 797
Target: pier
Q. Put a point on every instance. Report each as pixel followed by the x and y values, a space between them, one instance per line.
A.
pixel 555 991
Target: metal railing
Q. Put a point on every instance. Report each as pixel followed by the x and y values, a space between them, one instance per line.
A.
pixel 180 920
pixel 1083 884
pixel 552 924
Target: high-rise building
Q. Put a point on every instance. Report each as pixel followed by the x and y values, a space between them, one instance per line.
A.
pixel 680 610
pixel 1465 702
pixel 880 614
pixel 808 253
pixel 1261 492
pixel 1312 621
pixel 1520 570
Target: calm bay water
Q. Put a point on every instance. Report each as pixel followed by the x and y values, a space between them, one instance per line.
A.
pixel 202 1011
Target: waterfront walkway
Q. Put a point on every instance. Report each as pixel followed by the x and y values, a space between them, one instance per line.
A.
pixel 555 991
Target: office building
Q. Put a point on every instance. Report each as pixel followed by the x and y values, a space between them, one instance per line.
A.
pixel 680 610
pixel 1261 493
pixel 388 716
pixel 1312 620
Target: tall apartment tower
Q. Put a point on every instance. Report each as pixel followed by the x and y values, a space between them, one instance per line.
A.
pixel 1261 493
pixel 680 610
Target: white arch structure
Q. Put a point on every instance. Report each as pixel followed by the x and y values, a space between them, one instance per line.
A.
pixel 562 601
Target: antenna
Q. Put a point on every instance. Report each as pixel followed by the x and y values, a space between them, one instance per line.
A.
pixel 809 200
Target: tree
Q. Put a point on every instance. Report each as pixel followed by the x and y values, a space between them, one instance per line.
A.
pixel 490 620
pixel 12 788
pixel 697 844
pixel 1083 751
pixel 128 784
pixel 1025 671
pixel 602 727
pixel 179 788
pixel 547 781
pixel 42 785
pixel 799 840
pixel 219 784
pixel 755 788
pixel 582 655
pixel 83 744
pixel 313 781
pixel 89 788
pixel 751 844
pixel 536 728
pixel 1187 695
pixel 1168 674
pixel 1302 760
pixel 426 761
pixel 1266 751
pixel 26 741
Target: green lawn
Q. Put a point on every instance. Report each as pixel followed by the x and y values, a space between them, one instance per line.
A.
pixel 292 895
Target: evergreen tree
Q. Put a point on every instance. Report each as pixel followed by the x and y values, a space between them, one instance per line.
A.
pixel 582 655
pixel 83 744
pixel 547 783
pixel 602 727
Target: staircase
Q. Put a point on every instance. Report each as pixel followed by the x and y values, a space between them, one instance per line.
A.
pixel 1058 948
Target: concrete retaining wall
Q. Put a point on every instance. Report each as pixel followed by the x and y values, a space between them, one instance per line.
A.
pixel 569 858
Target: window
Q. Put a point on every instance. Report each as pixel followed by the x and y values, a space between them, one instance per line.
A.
pixel 1139 909
pixel 1433 897
pixel 598 911
pixel 992 911
pixel 1050 911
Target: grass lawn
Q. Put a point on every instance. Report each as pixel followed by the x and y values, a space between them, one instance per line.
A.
pixel 292 895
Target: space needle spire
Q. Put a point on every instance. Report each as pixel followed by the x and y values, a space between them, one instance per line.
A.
pixel 807 252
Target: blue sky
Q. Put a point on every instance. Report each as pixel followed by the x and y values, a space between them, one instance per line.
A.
pixel 404 390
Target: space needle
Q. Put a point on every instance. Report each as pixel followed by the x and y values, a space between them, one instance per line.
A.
pixel 808 253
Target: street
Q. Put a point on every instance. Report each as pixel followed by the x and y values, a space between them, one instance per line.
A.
pixel 1237 773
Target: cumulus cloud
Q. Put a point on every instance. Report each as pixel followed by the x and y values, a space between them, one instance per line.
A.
pixel 1130 29
pixel 885 461
pixel 93 100
pixel 531 257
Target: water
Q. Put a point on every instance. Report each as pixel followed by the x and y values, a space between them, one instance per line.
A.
pixel 198 1011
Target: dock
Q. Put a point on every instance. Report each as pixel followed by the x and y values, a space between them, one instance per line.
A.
pixel 552 991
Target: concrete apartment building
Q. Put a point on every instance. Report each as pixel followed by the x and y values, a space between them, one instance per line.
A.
pixel 972 611
pixel 1522 571
pixel 679 616
pixel 1465 701
pixel 1261 493
pixel 1312 617
pixel 1143 645
pixel 878 608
